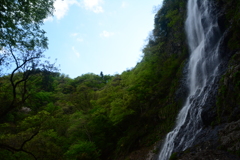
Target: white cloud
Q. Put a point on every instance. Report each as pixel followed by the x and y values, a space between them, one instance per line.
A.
pixel 62 6
pixel 74 34
pixel 48 19
pixel 76 52
pixel 124 5
pixel 79 39
pixel 94 5
pixel 106 34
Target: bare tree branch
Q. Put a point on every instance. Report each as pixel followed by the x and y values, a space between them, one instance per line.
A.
pixel 13 150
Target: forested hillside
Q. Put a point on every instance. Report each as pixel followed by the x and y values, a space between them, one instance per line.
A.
pixel 47 115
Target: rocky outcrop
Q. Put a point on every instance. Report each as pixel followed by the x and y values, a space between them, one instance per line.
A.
pixel 229 137
pixel 220 138
pixel 209 155
pixel 225 146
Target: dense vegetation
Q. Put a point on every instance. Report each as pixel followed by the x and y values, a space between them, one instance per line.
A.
pixel 47 115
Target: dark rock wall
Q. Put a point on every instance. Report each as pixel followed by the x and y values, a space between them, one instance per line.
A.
pixel 220 138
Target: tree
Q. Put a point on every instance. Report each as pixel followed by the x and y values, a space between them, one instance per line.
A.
pixel 20 22
pixel 101 74
pixel 22 43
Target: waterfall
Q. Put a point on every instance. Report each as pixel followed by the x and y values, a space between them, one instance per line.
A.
pixel 203 69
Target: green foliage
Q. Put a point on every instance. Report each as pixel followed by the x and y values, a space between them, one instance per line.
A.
pixel 82 150
pixel 173 16
pixel 7 155
pixel 102 116
pixel 173 156
pixel 20 23
pixel 119 111
pixel 22 43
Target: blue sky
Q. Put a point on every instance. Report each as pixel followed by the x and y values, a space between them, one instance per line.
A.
pixel 90 36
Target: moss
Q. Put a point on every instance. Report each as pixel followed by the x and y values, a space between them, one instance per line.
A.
pixel 228 98
pixel 238 152
pixel 173 156
pixel 155 151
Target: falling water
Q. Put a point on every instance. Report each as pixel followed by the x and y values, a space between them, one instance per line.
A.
pixel 203 68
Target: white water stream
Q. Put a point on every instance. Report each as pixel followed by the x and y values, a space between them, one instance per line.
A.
pixel 203 39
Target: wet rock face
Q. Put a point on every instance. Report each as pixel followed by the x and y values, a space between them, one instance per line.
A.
pixel 228 95
pixel 209 155
pixel 222 143
pixel 230 137
pixel 183 90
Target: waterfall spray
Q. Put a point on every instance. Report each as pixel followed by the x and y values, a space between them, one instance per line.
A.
pixel 203 39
